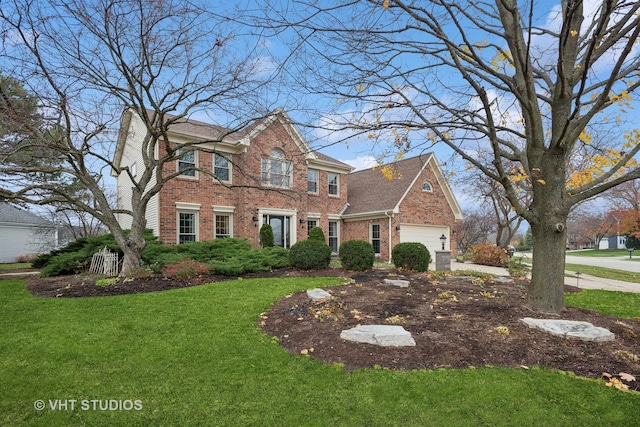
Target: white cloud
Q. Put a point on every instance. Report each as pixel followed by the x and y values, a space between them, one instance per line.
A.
pixel 362 162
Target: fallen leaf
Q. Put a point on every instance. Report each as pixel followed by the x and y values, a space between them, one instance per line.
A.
pixel 626 377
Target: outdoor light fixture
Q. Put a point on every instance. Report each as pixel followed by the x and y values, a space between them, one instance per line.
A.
pixel 398 228
pixel 443 239
pixel 302 221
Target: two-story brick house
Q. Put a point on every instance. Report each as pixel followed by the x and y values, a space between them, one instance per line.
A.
pixel 267 173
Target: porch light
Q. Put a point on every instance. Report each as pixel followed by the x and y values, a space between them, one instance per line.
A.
pixel 443 239
pixel 302 221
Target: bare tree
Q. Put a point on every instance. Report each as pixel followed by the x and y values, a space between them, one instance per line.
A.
pixel 528 82
pixel 626 195
pixel 474 228
pixel 87 62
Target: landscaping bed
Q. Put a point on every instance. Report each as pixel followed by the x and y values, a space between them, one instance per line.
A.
pixel 456 322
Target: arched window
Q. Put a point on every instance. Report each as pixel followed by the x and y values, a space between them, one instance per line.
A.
pixel 276 171
pixel 427 187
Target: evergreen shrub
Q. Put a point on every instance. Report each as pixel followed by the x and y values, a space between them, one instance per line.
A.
pixel 356 255
pixel 310 255
pixel 411 256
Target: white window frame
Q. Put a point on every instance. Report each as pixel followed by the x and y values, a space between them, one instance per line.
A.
pixel 372 237
pixel 194 164
pixel 336 185
pixel 188 208
pixel 427 187
pixel 335 237
pixel 226 211
pixel 276 161
pixel 316 182
pixel 228 167
pixel 316 223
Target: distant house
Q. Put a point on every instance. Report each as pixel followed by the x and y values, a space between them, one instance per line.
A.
pixel 267 173
pixel 24 233
pixel 613 242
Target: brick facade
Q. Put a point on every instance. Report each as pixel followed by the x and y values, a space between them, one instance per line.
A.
pixel 365 199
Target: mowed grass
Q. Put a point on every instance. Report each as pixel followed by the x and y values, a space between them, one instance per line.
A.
pixel 620 304
pixel 195 356
pixel 7 268
pixel 601 253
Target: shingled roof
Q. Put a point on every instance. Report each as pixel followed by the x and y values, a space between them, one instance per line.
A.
pixel 371 191
pixel 14 215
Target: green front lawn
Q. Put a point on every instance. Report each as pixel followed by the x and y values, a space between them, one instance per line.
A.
pixel 7 268
pixel 195 356
pixel 601 253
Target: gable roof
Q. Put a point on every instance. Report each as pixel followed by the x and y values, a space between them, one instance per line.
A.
pixel 370 192
pixel 15 215
pixel 201 130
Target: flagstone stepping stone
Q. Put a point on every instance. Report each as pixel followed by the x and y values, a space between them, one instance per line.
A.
pixel 571 329
pixel 318 294
pixel 397 282
pixel 382 335
pixel 502 279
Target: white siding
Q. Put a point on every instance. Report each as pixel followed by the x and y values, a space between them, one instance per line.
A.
pixel 133 154
pixel 21 239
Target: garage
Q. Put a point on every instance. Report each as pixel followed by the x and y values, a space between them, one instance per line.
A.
pixel 429 235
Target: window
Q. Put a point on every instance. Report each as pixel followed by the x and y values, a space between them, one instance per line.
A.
pixel 221 167
pixel 333 184
pixel 187 160
pixel 223 226
pixel 187 227
pixel 427 187
pixel 311 223
pixel 312 181
pixel 333 236
pixel 276 171
pixel 375 237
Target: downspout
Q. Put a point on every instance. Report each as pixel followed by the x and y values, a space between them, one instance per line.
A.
pixel 389 241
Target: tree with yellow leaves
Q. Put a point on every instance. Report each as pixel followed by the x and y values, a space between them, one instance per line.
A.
pixel 528 82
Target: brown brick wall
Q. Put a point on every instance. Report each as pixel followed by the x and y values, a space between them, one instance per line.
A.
pixel 249 195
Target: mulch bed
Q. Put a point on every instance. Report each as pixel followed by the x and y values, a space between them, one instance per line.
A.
pixel 456 322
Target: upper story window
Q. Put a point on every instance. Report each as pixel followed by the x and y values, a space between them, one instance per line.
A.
pixel 334 184
pixel 312 181
pixel 427 187
pixel 222 167
pixel 276 170
pixel 187 162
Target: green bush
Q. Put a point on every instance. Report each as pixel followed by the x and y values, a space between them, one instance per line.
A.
pixel 411 256
pixel 266 236
pixel 77 255
pixel 316 233
pixel 517 268
pixel 310 255
pixel 356 255
pixel 488 254
pixel 66 263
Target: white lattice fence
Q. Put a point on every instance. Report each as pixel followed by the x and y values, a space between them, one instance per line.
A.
pixel 105 262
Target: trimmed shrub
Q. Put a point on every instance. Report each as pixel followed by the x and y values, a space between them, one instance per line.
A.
pixel 488 254
pixel 186 269
pixel 411 256
pixel 356 255
pixel 316 233
pixel 66 263
pixel 310 255
pixel 266 236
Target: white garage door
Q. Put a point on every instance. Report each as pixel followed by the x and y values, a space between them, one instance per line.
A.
pixel 15 241
pixel 428 235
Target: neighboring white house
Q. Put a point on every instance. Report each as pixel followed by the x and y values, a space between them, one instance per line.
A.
pixel 24 233
pixel 613 242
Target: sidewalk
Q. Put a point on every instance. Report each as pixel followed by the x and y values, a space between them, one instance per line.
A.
pixel 584 282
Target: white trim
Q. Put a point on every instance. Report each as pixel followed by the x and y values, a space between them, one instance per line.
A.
pixel 229 167
pixel 293 226
pixel 314 215
pixel 224 209
pixel 185 206
pixel 196 220
pixel 337 194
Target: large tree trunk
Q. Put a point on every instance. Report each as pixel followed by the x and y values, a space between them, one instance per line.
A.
pixel 547 274
pixel 548 218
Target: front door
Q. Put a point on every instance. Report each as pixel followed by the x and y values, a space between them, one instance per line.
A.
pixel 280 225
